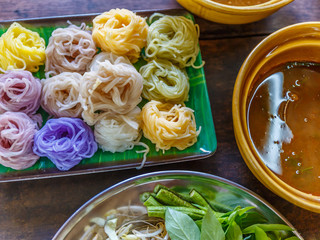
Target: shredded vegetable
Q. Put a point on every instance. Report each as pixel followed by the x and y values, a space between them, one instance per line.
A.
pixel 126 223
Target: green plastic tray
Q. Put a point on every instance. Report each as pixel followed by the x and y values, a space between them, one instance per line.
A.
pixel 107 161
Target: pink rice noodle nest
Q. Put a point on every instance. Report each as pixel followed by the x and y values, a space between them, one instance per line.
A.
pixel 16 140
pixel 19 92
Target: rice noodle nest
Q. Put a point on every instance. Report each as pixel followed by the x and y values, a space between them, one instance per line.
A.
pixel 164 81
pixel 118 133
pixel 113 86
pixel 169 125
pixel 16 140
pixel 69 49
pixel 19 92
pixel 60 95
pixel 175 38
pixel 22 49
pixel 120 31
pixel 65 141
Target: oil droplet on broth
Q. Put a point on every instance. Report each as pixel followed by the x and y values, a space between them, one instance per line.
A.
pixel 280 124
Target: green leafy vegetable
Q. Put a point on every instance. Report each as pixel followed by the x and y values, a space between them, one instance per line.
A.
pixel 211 228
pixel 260 234
pixel 251 218
pixel 234 232
pixel 187 212
pixel 180 226
pixel 267 227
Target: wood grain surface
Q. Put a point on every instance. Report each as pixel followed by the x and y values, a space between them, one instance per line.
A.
pixel 36 209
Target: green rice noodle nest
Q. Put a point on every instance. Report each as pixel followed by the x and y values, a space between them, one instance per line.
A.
pixel 163 81
pixel 174 38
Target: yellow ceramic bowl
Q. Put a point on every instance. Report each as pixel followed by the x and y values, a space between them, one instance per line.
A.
pixel 299 42
pixel 222 13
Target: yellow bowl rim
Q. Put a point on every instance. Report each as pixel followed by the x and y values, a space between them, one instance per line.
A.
pixel 271 5
pixel 255 164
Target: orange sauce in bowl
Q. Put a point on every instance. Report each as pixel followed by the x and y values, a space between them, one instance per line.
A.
pixel 283 118
pixel 241 2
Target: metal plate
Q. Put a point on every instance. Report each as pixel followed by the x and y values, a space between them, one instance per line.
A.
pixel 128 191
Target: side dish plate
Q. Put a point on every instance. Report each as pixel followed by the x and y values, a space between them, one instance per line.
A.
pixel 107 161
pixel 128 191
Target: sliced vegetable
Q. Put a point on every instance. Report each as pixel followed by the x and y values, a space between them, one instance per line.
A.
pixel 159 211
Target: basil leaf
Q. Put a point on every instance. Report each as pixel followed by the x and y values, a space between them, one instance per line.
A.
pixel 267 227
pixel 234 232
pixel 211 228
pixel 244 210
pixel 238 213
pixel 251 218
pixel 180 226
pixel 260 234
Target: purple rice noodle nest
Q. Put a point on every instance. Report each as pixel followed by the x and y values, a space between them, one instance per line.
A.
pixel 65 141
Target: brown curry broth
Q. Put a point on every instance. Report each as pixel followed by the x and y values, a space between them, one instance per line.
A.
pixel 300 159
pixel 241 2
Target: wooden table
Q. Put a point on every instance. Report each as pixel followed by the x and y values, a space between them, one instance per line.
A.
pixel 36 209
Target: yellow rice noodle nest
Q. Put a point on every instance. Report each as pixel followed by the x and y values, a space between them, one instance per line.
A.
pixel 168 125
pixel 21 49
pixel 121 32
pixel 163 81
pixel 174 38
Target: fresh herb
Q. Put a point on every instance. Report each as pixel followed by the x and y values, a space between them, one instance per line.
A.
pixel 267 227
pixel 234 232
pixel 260 234
pixel 211 228
pixel 251 218
pixel 180 226
pixel 192 215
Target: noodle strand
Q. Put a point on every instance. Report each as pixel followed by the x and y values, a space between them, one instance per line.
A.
pixel 174 38
pixel 121 32
pixel 168 125
pixel 21 49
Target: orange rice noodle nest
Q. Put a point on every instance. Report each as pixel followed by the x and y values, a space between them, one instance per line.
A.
pixel 121 32
pixel 169 125
pixel 112 85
